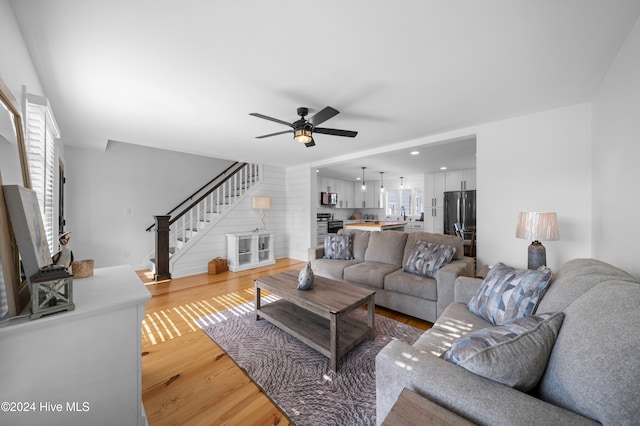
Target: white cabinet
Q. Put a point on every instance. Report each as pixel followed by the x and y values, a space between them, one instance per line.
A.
pixel 414 227
pixel 370 197
pixel 434 187
pixel 343 188
pixel 80 367
pixel 461 180
pixel 247 250
pixel 434 220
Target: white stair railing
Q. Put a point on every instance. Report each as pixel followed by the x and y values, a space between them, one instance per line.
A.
pixel 204 213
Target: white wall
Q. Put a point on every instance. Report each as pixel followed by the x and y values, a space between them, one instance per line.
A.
pixel 616 149
pixel 243 218
pixel 538 162
pixel 112 196
pixel 16 70
pixel 301 210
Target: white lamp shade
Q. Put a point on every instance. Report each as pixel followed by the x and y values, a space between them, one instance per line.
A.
pixel 261 202
pixel 537 226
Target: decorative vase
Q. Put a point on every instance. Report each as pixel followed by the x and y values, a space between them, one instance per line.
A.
pixel 305 278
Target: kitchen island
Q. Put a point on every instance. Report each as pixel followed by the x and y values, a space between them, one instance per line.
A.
pixel 376 226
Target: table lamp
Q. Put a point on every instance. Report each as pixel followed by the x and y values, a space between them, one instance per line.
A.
pixel 536 227
pixel 262 203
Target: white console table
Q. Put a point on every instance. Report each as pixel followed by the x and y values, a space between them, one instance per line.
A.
pixel 247 250
pixel 78 367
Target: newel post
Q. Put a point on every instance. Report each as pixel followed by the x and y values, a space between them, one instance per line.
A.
pixel 162 248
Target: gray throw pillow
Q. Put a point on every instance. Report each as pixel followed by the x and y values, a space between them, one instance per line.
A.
pixel 338 246
pixel 507 293
pixel 426 258
pixel 514 354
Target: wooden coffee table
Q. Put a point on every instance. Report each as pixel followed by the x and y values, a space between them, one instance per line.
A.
pixel 317 317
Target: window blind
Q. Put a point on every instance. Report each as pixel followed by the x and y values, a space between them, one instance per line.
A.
pixel 41 134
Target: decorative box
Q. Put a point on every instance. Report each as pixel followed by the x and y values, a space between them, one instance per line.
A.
pixel 51 291
pixel 218 265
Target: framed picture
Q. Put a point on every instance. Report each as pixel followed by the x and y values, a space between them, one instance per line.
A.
pixel 15 295
pixel 28 228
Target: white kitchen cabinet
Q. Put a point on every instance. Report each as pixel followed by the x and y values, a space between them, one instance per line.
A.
pixel 248 250
pixel 460 180
pixel 434 220
pixel 348 198
pixel 79 367
pixel 416 226
pixel 434 187
pixel 358 195
pixel 371 196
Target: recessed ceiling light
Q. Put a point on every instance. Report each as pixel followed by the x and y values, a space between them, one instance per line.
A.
pixel 443 168
pixel 358 178
pixel 415 152
pixel 317 170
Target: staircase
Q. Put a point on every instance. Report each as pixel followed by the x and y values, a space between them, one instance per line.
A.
pixel 175 234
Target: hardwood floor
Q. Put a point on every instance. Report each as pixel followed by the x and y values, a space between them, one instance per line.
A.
pixel 186 377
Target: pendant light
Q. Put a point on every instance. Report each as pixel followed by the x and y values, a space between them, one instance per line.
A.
pixel 401 184
pixel 364 187
pixel 381 181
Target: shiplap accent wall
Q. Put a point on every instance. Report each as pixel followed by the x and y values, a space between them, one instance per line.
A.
pixel 242 218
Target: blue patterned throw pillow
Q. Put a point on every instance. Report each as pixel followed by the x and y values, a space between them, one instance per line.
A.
pixel 507 294
pixel 515 354
pixel 426 258
pixel 338 246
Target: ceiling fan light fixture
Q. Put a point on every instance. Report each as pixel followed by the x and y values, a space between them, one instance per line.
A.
pixel 302 136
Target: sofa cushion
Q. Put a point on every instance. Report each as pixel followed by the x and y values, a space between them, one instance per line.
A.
pixel 514 354
pixel 338 246
pixel 359 241
pixel 414 285
pixel 593 368
pixel 332 268
pixel 426 258
pixel 386 247
pixel 507 293
pixel 575 278
pixel 455 321
pixel 369 273
pixel 447 240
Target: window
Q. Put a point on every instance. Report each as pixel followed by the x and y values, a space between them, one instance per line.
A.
pixel 41 134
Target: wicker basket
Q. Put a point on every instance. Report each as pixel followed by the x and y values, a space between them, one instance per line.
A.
pixel 82 269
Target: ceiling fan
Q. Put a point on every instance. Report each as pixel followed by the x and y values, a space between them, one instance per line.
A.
pixel 303 129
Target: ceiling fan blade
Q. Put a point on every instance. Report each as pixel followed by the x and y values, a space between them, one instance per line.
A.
pixel 274 134
pixel 266 117
pixel 310 144
pixel 335 132
pixel 323 115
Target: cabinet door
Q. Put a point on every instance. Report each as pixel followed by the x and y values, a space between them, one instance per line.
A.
pixel 470 179
pixel 434 190
pixel 433 220
pixel 461 180
pixel 358 196
pixel 454 180
pixel 349 194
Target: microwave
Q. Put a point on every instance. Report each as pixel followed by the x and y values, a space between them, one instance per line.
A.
pixel 328 198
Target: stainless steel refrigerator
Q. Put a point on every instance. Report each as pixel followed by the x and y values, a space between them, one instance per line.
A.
pixel 459 206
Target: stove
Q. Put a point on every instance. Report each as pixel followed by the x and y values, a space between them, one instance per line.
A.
pixel 334 226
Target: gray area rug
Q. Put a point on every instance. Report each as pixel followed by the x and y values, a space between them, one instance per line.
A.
pixel 297 378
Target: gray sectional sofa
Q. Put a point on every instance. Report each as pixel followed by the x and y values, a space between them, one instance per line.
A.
pixel 592 375
pixel 378 260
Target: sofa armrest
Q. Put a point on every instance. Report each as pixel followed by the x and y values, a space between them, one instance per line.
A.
pixel 314 253
pixel 465 288
pixel 445 278
pixel 480 400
